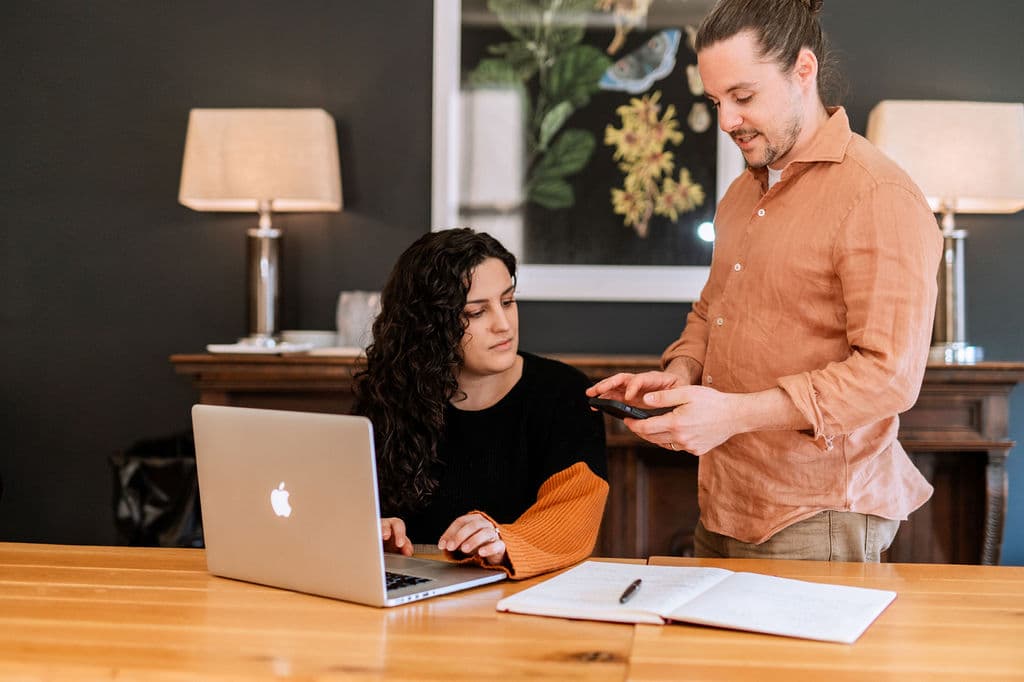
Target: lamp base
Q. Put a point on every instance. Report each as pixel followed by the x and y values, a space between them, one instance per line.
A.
pixel 956 353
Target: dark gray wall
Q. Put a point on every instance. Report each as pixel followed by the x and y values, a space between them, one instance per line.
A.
pixel 104 275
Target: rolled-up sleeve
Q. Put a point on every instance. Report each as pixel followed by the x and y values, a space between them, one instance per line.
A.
pixel 559 529
pixel 886 258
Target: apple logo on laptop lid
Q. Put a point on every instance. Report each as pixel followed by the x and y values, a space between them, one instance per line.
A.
pixel 279 501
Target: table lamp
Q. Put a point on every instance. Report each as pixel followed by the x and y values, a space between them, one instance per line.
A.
pixel 263 161
pixel 967 157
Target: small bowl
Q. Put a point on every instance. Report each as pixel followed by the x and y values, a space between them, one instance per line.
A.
pixel 317 338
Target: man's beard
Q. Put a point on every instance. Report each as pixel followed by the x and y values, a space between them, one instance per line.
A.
pixel 773 152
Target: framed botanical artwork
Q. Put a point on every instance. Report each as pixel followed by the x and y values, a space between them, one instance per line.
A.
pixel 577 133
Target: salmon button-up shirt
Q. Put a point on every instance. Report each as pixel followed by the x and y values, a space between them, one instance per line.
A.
pixel 823 285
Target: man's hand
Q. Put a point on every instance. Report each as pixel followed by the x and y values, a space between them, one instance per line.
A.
pixel 703 419
pixel 473 534
pixel 628 388
pixel 392 534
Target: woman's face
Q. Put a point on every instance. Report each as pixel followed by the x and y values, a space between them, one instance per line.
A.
pixel 491 339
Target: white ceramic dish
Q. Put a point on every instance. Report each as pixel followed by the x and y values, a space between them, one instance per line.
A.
pixel 279 349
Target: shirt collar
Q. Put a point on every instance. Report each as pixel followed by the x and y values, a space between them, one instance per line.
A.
pixel 829 144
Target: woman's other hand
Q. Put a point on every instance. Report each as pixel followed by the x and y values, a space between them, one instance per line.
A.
pixel 392 534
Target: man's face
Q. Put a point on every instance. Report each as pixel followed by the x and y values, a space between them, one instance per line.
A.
pixel 759 106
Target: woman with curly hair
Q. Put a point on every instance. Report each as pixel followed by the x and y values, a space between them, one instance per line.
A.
pixel 490 452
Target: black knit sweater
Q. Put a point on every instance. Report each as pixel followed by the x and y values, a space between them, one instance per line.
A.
pixel 494 460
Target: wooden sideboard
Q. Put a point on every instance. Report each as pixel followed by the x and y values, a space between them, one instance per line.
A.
pixel 957 434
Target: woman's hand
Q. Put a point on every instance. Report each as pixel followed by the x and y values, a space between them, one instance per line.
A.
pixel 392 534
pixel 473 534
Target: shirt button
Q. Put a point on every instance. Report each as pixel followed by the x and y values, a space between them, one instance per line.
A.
pixel 737 267
pixel 707 379
pixel 760 212
pixel 720 321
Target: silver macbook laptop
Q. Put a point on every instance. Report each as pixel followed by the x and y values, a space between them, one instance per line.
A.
pixel 289 499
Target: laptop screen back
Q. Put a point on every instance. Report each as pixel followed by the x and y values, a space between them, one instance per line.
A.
pixel 289 499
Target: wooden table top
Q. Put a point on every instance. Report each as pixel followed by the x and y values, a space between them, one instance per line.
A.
pixel 949 622
pixel 83 613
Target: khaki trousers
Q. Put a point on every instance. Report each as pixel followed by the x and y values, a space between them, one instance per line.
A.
pixel 826 536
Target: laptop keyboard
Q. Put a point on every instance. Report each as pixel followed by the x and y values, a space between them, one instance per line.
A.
pixel 397 581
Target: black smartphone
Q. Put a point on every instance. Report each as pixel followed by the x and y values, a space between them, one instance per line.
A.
pixel 621 410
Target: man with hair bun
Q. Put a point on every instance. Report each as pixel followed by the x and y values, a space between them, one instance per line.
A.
pixel 812 332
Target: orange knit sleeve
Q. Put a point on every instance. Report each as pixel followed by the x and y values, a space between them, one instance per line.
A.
pixel 559 529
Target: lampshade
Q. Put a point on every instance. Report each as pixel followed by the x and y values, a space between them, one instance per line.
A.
pixel 234 158
pixel 967 157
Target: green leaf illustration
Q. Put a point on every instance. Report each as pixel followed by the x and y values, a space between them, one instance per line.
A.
pixel 565 22
pixel 522 20
pixel 568 154
pixel 519 55
pixel 493 72
pixel 553 122
pixel 558 75
pixel 552 193
pixel 564 37
pixel 575 75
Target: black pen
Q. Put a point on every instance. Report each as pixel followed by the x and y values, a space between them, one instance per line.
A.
pixel 630 591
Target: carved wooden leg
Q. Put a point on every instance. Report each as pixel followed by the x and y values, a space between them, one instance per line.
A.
pixel 995 506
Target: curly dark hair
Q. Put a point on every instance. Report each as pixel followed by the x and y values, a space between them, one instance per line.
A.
pixel 411 366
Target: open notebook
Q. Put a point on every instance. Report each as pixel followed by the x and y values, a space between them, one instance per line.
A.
pixel 706 596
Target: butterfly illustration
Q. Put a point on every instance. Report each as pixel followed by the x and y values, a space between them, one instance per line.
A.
pixel 638 70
